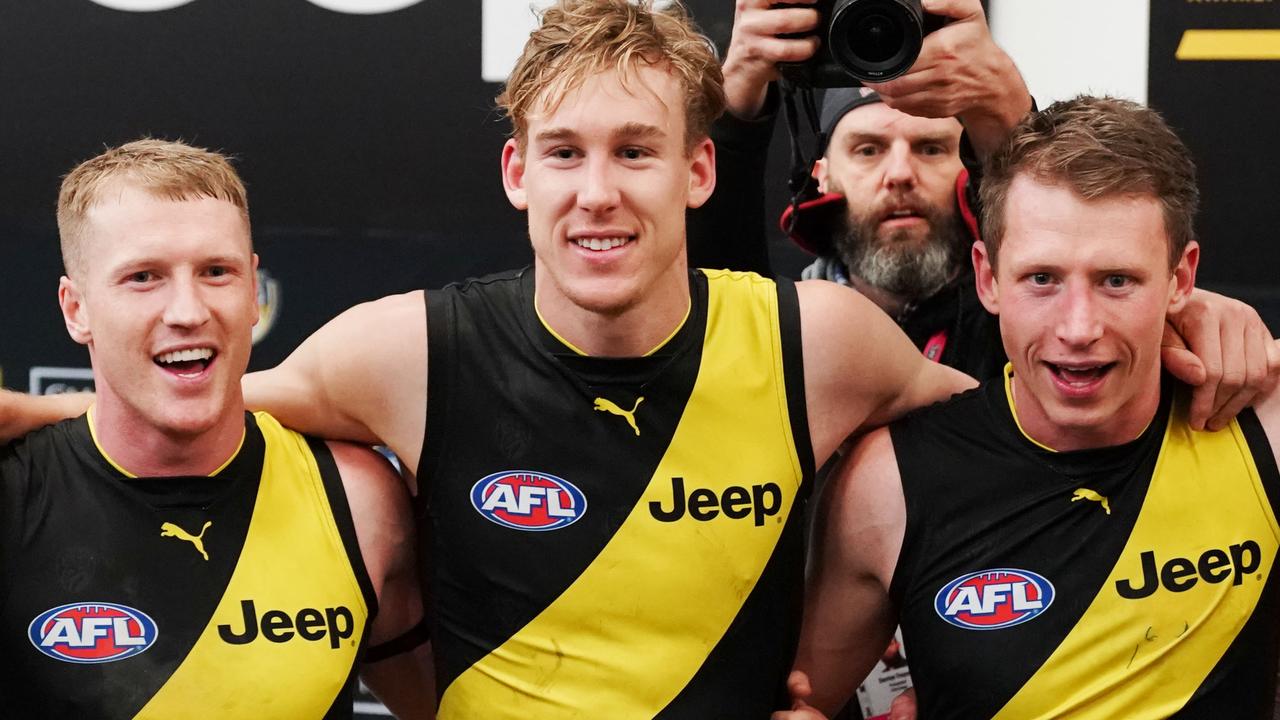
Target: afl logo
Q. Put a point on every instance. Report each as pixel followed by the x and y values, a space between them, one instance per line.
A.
pixel 525 500
pixel 92 632
pixel 994 599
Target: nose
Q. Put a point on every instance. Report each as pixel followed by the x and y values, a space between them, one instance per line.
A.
pixel 599 191
pixel 899 167
pixel 1079 324
pixel 186 307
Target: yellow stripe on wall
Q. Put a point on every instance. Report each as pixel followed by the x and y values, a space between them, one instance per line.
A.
pixel 631 632
pixel 1229 45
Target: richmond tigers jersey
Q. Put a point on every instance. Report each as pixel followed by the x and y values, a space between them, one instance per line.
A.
pixel 615 537
pixel 240 595
pixel 1134 581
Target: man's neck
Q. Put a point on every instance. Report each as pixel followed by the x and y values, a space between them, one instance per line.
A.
pixel 1123 426
pixel 142 450
pixel 631 332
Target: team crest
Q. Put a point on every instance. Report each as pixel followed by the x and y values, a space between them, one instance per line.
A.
pixel 268 305
pixel 994 599
pixel 88 633
pixel 527 500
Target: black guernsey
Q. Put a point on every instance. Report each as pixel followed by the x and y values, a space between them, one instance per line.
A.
pixel 1133 581
pixel 615 537
pixel 241 595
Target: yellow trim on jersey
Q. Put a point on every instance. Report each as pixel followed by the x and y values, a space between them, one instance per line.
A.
pixel 293 560
pixel 93 433
pixel 1144 657
pixel 578 351
pixel 631 632
pixel 1008 393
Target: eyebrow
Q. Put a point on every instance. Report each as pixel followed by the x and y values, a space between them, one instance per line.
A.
pixel 857 138
pixel 628 131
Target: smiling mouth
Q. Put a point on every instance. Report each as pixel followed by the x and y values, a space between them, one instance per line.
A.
pixel 599 244
pixel 1080 376
pixel 186 363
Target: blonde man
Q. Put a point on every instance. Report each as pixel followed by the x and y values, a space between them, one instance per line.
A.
pixel 167 554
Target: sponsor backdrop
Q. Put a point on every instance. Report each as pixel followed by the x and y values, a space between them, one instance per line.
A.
pixel 366 132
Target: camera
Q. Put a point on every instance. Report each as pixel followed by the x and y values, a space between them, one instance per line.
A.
pixel 863 41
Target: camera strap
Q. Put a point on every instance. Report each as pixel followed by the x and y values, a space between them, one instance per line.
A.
pixel 800 182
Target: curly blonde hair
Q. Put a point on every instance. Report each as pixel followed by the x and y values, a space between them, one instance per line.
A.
pixel 580 38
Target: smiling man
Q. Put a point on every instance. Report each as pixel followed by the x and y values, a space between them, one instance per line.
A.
pixel 613 448
pixel 167 554
pixel 1061 542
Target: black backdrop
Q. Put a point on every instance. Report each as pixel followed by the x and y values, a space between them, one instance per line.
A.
pixel 370 145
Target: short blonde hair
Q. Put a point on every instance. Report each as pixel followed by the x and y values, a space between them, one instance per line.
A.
pixel 170 170
pixel 580 38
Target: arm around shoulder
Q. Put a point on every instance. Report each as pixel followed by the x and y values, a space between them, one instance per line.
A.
pixel 860 370
pixel 380 509
pixel 21 413
pixel 362 377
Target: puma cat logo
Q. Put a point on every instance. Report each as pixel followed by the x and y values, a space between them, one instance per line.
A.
pixel 604 405
pixel 1087 494
pixel 173 531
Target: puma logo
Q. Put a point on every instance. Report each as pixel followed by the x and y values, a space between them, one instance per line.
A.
pixel 173 531
pixel 1087 494
pixel 604 405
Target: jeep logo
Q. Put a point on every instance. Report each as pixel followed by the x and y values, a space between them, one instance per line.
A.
pixel 735 502
pixel 277 626
pixel 1181 574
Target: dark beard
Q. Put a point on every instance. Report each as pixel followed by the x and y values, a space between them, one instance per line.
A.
pixel 910 272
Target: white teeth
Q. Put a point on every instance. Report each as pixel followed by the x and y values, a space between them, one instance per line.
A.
pixel 185 355
pixel 601 243
pixel 902 213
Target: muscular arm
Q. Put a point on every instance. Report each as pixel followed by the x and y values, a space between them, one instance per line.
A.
pixel 385 531
pixel 860 370
pixel 362 377
pixel 848 617
pixel 21 413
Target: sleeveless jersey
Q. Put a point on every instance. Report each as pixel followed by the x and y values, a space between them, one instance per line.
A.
pixel 1133 581
pixel 615 537
pixel 239 595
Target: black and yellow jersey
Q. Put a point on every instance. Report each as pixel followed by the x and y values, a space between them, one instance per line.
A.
pixel 614 537
pixel 239 595
pixel 1134 581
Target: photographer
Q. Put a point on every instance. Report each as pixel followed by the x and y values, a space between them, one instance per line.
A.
pixel 889 221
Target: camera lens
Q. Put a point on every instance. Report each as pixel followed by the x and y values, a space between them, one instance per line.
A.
pixel 877 37
pixel 875 40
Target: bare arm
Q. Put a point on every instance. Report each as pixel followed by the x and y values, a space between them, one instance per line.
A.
pixel 385 531
pixel 848 617
pixel 21 413
pixel 860 370
pixel 361 377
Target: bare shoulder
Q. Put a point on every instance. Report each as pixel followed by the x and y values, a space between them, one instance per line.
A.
pixel 380 508
pixel 865 507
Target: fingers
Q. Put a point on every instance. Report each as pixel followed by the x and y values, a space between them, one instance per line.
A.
pixel 903 707
pixel 1208 348
pixel 1241 385
pixel 954 9
pixel 798 686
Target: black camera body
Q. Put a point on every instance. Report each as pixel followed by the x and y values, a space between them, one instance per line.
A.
pixel 863 41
